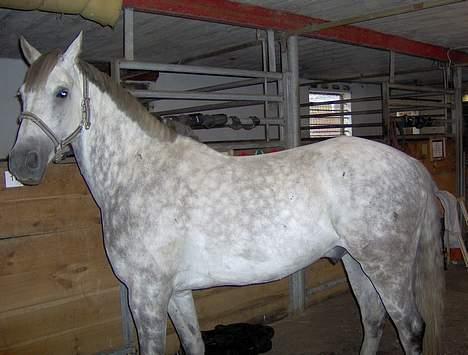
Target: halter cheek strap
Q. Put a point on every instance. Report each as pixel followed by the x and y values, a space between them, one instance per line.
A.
pixel 61 144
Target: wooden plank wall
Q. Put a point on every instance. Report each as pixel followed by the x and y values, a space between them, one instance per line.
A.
pixel 58 294
pixel 62 297
pixel 443 171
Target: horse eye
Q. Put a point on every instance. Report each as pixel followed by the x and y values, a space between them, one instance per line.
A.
pixel 62 93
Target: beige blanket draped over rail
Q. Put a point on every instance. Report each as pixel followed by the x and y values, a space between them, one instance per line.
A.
pixel 103 12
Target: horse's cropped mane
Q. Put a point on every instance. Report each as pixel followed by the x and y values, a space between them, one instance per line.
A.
pixel 127 103
pixel 39 71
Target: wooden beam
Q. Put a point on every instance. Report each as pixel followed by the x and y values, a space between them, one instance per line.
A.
pixel 245 15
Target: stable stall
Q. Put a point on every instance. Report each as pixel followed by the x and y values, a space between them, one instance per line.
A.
pixel 245 78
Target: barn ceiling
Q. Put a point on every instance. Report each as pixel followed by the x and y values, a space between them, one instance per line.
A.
pixel 172 39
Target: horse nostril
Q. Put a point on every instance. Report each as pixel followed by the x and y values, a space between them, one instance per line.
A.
pixel 32 160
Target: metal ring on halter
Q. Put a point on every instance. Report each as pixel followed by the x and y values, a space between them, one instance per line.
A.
pixel 60 145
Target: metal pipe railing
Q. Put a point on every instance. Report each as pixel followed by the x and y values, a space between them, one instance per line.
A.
pixel 193 95
pixel 368 112
pixel 339 125
pixel 419 88
pixel 419 103
pixel 373 98
pixel 191 69
pixel 209 107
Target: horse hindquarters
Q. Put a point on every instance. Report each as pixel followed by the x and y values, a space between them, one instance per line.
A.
pixel 408 275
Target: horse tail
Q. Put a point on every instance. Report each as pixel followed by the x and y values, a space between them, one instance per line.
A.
pixel 430 278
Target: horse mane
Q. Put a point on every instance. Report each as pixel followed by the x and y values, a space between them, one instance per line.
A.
pixel 127 103
pixel 39 71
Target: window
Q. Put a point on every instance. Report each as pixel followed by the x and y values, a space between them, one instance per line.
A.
pixel 330 116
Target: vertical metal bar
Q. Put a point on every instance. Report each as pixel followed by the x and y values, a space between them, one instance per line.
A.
pixel 292 122
pixel 271 51
pixel 445 76
pixel 115 70
pixel 458 118
pixel 271 67
pixel 261 35
pixel 449 129
pixel 392 67
pixel 385 112
pixel 282 88
pixel 128 34
pixel 296 280
pixel 386 99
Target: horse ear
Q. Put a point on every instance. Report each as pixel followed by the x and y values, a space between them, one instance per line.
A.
pixel 30 53
pixel 74 49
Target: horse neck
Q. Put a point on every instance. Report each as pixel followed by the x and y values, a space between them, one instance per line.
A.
pixel 106 151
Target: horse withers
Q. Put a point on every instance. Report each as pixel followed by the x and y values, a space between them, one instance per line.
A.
pixel 178 216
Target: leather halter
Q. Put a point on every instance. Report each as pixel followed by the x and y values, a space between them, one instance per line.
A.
pixel 61 144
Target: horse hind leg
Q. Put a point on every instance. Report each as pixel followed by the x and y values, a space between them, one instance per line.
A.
pixel 183 315
pixel 396 291
pixel 407 320
pixel 373 313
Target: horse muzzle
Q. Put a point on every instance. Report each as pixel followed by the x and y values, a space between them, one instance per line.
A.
pixel 28 164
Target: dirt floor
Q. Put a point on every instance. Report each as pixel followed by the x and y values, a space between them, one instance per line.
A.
pixel 333 327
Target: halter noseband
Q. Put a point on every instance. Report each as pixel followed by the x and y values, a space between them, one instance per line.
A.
pixel 61 144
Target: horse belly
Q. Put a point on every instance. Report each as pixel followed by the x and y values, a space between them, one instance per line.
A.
pixel 258 258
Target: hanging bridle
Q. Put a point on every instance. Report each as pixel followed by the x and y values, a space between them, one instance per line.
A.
pixel 61 144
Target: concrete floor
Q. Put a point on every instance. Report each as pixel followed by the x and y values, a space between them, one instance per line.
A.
pixel 333 327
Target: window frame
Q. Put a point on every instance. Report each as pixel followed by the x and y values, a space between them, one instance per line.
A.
pixel 340 119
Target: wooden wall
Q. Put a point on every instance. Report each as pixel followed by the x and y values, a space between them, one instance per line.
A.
pixel 58 294
pixel 443 171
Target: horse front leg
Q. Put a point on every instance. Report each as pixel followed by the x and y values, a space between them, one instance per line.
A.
pixel 183 314
pixel 149 302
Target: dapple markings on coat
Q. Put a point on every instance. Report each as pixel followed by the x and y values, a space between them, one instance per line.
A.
pixel 179 216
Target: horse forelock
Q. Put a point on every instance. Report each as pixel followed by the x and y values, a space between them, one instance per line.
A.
pixel 39 71
pixel 127 103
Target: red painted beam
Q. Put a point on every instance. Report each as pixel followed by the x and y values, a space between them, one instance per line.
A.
pixel 245 15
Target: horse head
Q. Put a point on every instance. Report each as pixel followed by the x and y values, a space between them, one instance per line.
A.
pixel 51 96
